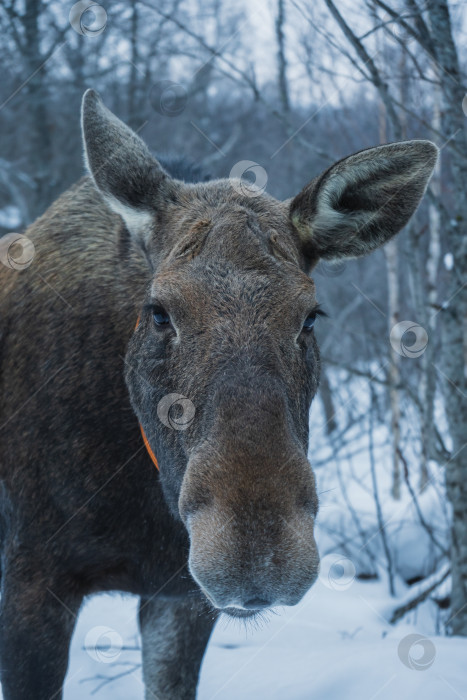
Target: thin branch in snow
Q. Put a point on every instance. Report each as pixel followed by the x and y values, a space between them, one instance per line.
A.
pixel 424 590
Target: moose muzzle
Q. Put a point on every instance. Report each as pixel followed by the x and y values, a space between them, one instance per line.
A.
pixel 250 510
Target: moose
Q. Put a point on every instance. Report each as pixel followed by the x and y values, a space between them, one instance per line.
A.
pixel 143 288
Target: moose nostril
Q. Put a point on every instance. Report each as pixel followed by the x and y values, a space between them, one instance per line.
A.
pixel 256 603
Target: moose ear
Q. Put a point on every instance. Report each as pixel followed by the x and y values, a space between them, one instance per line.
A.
pixel 360 202
pixel 130 179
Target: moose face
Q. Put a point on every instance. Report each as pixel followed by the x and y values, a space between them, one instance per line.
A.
pixel 228 323
pixel 227 327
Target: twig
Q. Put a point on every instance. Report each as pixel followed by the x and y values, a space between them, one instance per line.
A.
pixel 379 512
pixel 402 610
pixel 423 522
pixel 105 680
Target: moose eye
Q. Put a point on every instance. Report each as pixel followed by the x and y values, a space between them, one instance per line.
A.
pixel 161 317
pixel 309 322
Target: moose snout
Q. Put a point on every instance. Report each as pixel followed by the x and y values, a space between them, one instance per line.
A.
pixel 252 546
pixel 238 565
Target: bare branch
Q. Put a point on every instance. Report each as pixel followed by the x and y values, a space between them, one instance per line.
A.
pixel 421 596
pixel 422 36
pixel 423 522
pixel 368 61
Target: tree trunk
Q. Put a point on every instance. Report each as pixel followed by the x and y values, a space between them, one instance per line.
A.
pixel 392 266
pixel 281 60
pixel 325 393
pixel 133 83
pixel 41 143
pixel 428 382
pixel 451 365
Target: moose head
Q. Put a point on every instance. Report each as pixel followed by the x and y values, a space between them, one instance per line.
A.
pixel 227 323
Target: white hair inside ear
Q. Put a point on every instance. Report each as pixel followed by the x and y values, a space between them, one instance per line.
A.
pixel 131 181
pixel 136 220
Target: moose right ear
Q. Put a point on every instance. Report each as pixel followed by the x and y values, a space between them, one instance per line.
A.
pixel 130 179
pixel 360 202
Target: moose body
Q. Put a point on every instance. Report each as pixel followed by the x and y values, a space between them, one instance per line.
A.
pixel 217 277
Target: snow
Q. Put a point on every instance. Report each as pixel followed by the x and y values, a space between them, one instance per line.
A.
pixel 10 217
pixel 345 485
pixel 448 261
pixel 334 645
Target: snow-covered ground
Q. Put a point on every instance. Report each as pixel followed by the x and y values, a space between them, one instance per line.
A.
pixel 335 645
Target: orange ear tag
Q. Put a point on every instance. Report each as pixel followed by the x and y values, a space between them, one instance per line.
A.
pixel 145 440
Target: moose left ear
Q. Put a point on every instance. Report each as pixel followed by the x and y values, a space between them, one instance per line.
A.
pixel 360 202
pixel 131 180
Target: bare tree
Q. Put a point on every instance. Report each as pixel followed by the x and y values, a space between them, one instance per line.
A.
pixel 430 26
pixel 26 31
pixel 281 59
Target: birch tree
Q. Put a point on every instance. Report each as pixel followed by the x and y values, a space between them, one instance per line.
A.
pixel 431 28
